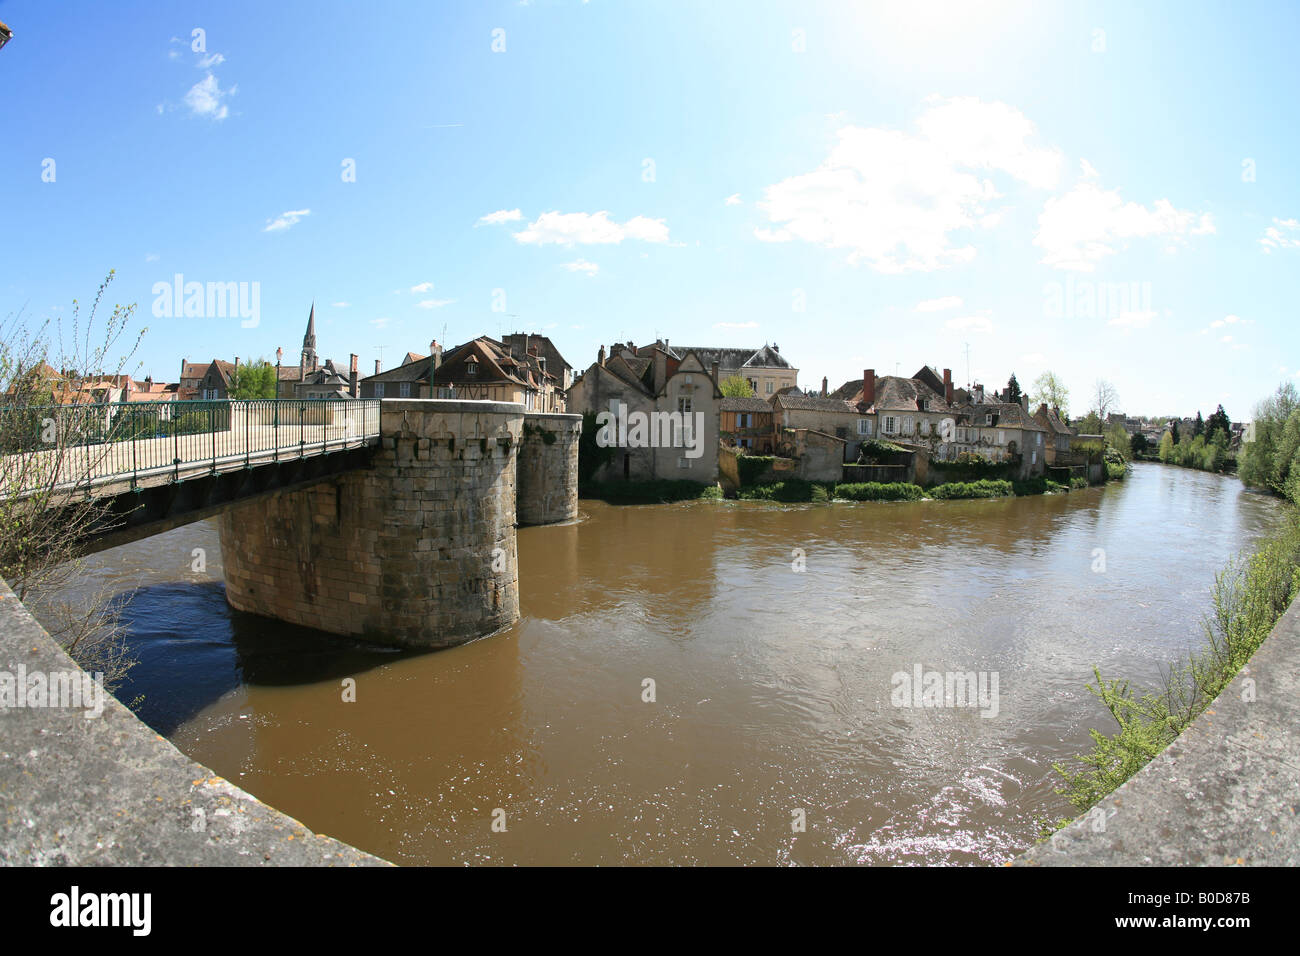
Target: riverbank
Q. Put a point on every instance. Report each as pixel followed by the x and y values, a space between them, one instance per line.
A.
pixel 800 491
pixel 1250 596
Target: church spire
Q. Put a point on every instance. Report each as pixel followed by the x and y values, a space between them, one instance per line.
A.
pixel 309 343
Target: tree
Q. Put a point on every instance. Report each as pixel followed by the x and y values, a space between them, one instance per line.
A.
pixel 1219 421
pixel 733 386
pixel 1166 452
pixel 1198 426
pixel 1104 399
pixel 1117 438
pixel 1089 424
pixel 1013 388
pixel 56 438
pixel 1050 390
pixel 254 380
pixel 1139 444
pixel 1173 429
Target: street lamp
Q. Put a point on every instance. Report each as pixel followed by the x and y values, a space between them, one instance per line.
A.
pixel 5 35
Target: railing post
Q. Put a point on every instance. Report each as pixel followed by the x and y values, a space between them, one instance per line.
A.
pixel 246 443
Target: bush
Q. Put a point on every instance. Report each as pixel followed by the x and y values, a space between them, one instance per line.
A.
pixel 791 490
pixel 1037 486
pixel 749 467
pixel 879 491
pixel 971 467
pixel 1077 482
pixel 1115 471
pixel 972 489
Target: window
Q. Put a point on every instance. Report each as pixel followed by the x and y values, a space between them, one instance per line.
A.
pixel 1033 457
pixel 769 387
pixel 891 424
pixel 684 405
pixel 379 389
pixel 925 426
pixel 209 394
pixel 683 463
pixel 404 390
pixel 1002 438
pixel 864 426
pixel 907 425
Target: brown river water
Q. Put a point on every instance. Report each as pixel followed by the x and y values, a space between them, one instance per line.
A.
pixel 772 687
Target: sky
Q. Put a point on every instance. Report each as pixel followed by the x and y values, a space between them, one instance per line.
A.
pixel 1103 190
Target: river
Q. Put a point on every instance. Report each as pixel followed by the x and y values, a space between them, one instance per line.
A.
pixel 771 685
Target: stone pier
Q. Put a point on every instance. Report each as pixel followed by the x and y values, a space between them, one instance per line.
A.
pixel 547 475
pixel 418 550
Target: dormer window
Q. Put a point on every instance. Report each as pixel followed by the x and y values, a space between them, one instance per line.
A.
pixel 471 367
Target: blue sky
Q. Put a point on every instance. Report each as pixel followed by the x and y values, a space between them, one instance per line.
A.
pixel 865 186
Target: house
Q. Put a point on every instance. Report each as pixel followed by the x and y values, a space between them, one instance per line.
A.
pixel 311 378
pixel 747 423
pixel 904 409
pixel 482 369
pixel 210 382
pixel 844 420
pixel 765 369
pixel 328 382
pixel 1058 433
pixel 1000 431
pixel 676 394
pixel 541 347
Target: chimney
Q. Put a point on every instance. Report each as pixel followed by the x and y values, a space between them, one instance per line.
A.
pixel 353 388
pixel 947 385
pixel 825 383
pixel 435 352
pixel 600 357
pixel 713 371
pixel 661 369
pixel 1056 410
pixel 1024 401
pixel 977 393
pixel 869 386
pixel 376 366
pixel 1042 409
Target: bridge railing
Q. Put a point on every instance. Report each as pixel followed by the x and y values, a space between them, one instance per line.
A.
pixel 70 446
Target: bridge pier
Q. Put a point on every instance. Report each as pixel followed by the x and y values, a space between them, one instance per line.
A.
pixel 547 470
pixel 416 551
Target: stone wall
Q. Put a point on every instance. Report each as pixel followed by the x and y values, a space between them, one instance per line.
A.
pixel 79 789
pixel 417 551
pixel 546 476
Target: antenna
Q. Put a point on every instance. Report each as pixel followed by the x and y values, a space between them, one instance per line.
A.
pixel 967 344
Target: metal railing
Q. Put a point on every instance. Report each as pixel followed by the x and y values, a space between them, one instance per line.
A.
pixel 85 445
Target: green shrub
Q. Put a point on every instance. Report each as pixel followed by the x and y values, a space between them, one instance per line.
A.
pixel 985 488
pixel 1037 486
pixel 790 490
pixel 879 491
pixel 1115 471
pixel 1077 482
pixel 749 467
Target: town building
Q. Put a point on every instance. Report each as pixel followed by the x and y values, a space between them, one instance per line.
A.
pixel 747 423
pixel 675 391
pixel 765 369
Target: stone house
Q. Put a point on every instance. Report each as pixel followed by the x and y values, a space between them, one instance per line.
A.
pixel 210 382
pixel 1001 432
pixel 765 369
pixel 678 396
pixel 1058 434
pixel 845 420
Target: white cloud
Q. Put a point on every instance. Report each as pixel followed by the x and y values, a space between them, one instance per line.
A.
pixel 938 305
pixel 1283 234
pixel 434 303
pixel 1089 223
pixel 1088 170
pixel 501 215
pixel 979 323
pixel 341 305
pixel 151 257
pixel 590 229
pixel 735 325
pixel 205 98
pixel 894 198
pixel 1225 321
pixel 422 287
pixel 285 220
pixel 380 323
pixel 211 60
pixel 1033 358
pixel 582 265
pixel 732 200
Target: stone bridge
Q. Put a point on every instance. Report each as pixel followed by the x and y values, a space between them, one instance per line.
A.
pixel 391 521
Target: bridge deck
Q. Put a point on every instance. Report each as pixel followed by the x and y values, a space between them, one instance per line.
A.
pixel 106 448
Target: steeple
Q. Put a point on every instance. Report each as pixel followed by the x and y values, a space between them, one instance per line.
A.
pixel 309 343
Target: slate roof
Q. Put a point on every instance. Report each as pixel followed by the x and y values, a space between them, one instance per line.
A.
pixel 814 403
pixel 750 404
pixel 1005 415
